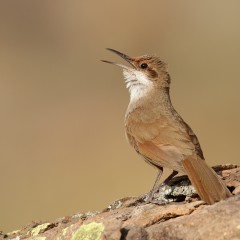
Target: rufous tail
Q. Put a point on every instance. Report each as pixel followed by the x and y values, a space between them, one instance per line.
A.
pixel 207 183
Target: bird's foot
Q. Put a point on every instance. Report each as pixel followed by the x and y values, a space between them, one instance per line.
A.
pixel 158 196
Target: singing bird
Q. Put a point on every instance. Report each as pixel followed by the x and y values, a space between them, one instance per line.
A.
pixel 158 133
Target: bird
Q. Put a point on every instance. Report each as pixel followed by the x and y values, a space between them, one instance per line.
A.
pixel 158 133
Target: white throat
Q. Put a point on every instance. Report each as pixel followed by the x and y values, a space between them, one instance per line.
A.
pixel 138 84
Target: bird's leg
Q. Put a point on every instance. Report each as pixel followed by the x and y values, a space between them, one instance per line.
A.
pixel 169 178
pixel 157 186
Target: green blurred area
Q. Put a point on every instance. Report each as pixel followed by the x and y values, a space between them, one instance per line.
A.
pixel 62 142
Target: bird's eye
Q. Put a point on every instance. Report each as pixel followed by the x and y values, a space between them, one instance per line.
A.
pixel 143 65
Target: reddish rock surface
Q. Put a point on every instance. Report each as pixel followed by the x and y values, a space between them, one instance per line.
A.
pixel 183 216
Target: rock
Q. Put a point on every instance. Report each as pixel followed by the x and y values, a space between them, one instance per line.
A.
pixel 183 216
pixel 218 221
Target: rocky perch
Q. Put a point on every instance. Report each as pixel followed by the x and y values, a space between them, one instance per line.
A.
pixel 180 216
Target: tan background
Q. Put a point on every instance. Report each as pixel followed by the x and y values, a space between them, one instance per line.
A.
pixel 62 143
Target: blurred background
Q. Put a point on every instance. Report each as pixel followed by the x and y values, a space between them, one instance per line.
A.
pixel 62 142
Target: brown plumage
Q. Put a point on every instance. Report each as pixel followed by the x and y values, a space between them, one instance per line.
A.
pixel 158 133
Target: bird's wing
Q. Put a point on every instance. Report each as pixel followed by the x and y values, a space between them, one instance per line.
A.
pixel 187 129
pixel 173 136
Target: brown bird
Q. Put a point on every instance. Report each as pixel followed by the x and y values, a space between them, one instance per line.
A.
pixel 159 134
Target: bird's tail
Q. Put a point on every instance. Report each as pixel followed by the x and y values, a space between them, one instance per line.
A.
pixel 205 180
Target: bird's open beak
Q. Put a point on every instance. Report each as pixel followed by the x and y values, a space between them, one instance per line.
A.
pixel 122 55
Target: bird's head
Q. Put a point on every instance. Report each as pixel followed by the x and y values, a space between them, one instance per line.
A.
pixel 144 72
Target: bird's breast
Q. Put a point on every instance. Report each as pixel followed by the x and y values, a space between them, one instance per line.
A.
pixel 145 125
